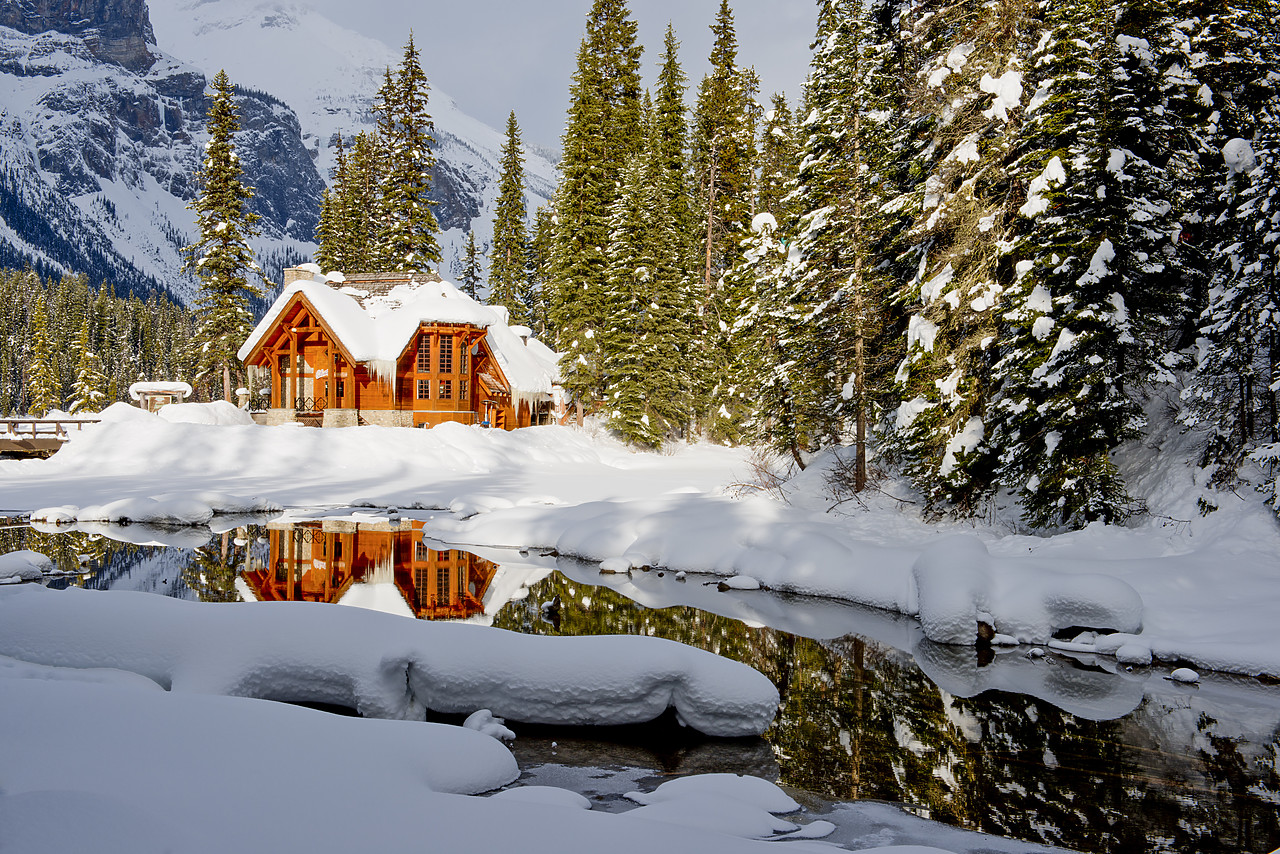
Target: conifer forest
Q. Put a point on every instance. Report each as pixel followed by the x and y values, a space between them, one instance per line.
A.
pixel 987 244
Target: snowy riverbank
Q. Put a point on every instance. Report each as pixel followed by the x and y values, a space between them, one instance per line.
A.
pixel 1175 586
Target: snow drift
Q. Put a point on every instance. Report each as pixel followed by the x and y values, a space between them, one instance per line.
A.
pixel 382 665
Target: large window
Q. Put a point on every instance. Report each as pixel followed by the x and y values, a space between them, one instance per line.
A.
pixel 424 355
pixel 424 389
pixel 446 389
pixel 446 354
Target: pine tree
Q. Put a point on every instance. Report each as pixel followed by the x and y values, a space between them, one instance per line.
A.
pixel 1073 351
pixel 961 223
pixel 42 381
pixel 406 227
pixel 602 132
pixel 508 268
pixel 647 335
pixel 89 391
pixel 471 267
pixel 723 148
pixel 779 160
pixel 823 339
pixel 221 257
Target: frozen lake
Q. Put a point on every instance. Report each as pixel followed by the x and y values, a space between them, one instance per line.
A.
pixel 1043 746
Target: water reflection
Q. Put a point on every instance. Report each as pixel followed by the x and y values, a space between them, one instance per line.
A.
pixel 383 565
pixel 1063 750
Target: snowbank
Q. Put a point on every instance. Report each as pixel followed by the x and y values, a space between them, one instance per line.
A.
pixel 23 565
pixel 951 585
pixel 294 779
pixel 381 665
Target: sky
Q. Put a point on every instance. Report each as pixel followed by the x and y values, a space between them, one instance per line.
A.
pixel 495 56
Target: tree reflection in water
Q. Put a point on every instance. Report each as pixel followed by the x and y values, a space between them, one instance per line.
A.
pixel 860 720
pixel 1180 772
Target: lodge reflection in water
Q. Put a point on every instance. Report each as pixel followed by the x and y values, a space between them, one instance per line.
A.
pixel 327 561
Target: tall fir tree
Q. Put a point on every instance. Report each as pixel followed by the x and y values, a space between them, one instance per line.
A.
pixel 509 264
pixel 42 379
pixel 647 333
pixel 89 390
pixel 1073 352
pixel 602 132
pixel 723 161
pixel 406 228
pixel 221 257
pixel 471 267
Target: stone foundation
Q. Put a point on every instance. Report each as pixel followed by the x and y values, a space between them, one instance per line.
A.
pixel 388 417
pixel 276 417
pixel 340 418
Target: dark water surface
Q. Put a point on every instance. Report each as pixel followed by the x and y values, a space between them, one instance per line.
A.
pixel 1061 750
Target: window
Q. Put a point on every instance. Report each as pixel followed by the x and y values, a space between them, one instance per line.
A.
pixel 462 356
pixel 446 389
pixel 446 354
pixel 442 585
pixel 424 389
pixel 464 390
pixel 424 355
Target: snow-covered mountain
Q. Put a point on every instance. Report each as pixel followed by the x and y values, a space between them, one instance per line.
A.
pixel 100 136
pixel 329 76
pixel 101 131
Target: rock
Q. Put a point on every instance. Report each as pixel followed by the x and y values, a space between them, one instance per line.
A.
pixel 1185 675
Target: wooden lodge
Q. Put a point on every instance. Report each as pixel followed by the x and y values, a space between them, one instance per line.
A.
pixel 398 350
pixel 381 565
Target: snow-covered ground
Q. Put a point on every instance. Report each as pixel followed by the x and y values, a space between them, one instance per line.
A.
pixel 1183 587
pixel 1175 586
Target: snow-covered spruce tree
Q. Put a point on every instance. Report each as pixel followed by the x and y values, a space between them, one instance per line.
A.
pixel 778 160
pixel 42 380
pixel 1230 52
pixel 1074 350
pixel 723 161
pixel 343 230
pixel 541 245
pixel 671 143
pixel 828 356
pixel 602 132
pixel 470 278
pixel 221 258
pixel 405 239
pixel 647 332
pixel 509 263
pixel 968 104
pixel 89 390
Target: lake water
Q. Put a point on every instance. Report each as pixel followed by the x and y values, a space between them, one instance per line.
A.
pixel 1062 750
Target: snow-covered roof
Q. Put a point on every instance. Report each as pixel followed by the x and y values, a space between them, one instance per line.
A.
pixel 137 390
pixel 377 327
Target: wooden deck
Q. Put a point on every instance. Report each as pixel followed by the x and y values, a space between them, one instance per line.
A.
pixel 37 437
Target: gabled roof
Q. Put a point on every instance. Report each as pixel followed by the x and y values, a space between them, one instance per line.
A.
pixel 374 324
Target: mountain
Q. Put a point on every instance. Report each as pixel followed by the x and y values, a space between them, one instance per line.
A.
pixel 100 136
pixel 101 132
pixel 328 75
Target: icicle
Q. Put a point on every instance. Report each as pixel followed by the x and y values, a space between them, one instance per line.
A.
pixel 384 371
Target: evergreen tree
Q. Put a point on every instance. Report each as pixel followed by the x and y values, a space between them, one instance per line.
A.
pixel 406 227
pixel 42 381
pixel 471 267
pixel 221 257
pixel 89 391
pixel 825 343
pixel 779 160
pixel 723 148
pixel 961 225
pixel 602 133
pixel 508 268
pixel 646 338
pixel 1072 349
